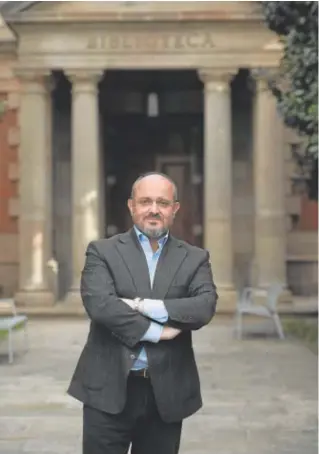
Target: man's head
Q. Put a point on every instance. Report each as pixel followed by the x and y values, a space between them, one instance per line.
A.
pixel 153 204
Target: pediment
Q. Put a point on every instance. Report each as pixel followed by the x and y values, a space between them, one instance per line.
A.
pixel 130 10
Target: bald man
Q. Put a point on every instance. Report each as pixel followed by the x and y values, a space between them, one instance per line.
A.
pixel 145 292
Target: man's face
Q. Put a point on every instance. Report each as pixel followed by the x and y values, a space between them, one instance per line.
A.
pixel 153 207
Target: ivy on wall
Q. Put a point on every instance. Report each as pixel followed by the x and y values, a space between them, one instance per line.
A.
pixel 296 86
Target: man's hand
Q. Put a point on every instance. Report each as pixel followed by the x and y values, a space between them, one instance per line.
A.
pixel 169 333
pixel 129 302
pixel 153 309
pixel 137 304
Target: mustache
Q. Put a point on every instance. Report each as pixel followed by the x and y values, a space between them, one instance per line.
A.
pixel 154 216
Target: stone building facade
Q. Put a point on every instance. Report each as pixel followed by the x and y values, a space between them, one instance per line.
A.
pixel 94 93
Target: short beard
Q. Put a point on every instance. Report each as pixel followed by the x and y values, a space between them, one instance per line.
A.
pixel 155 234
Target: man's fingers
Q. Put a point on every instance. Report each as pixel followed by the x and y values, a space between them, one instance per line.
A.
pixel 174 332
pixel 128 302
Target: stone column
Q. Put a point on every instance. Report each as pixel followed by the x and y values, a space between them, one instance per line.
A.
pixel 34 191
pixel 270 240
pixel 218 175
pixel 85 171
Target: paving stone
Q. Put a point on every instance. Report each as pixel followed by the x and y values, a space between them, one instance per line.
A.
pixel 259 394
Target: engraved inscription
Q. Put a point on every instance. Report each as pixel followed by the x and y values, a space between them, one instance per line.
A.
pixel 151 42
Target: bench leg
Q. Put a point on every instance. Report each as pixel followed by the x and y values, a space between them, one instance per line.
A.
pixel 26 338
pixel 278 326
pixel 10 346
pixel 239 325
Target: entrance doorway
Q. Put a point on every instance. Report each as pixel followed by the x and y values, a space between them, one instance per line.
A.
pixel 153 121
pixel 149 121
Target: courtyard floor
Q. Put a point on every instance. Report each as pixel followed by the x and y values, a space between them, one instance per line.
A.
pixel 260 394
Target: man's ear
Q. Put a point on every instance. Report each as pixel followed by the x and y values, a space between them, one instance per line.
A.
pixel 130 205
pixel 176 208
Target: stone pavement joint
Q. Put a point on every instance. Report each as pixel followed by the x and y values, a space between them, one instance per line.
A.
pixel 259 394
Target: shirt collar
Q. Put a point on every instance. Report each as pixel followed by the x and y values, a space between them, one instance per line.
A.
pixel 141 237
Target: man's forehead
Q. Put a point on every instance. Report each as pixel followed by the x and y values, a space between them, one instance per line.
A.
pixel 154 184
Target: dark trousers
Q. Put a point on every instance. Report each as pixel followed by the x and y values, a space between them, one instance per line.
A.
pixel 139 424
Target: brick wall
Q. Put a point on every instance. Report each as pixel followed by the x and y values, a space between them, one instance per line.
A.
pixel 302 227
pixel 9 142
pixel 308 220
pixel 8 166
pixel 302 213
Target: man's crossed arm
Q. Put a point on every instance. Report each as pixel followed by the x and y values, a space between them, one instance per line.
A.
pixel 156 311
pixel 131 326
pixel 191 312
pixel 153 309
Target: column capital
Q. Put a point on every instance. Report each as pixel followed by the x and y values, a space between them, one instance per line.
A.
pixel 262 77
pixel 84 80
pixel 37 81
pixel 216 79
pixel 30 74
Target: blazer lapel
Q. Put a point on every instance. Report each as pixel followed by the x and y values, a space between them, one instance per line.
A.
pixel 170 260
pixel 135 261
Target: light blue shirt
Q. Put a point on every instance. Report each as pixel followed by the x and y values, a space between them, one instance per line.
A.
pixel 158 311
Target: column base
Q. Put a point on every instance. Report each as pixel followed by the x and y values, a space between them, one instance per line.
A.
pixel 227 298
pixel 40 298
pixel 260 295
pixel 286 297
pixel 73 298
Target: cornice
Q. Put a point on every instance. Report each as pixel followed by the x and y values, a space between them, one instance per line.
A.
pixel 131 13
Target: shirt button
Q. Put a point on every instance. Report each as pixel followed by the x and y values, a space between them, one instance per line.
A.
pixel 132 356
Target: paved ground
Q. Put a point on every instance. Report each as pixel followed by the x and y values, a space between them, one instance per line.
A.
pixel 260 394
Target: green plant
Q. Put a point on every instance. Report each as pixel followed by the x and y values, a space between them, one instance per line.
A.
pixel 296 84
pixel 304 330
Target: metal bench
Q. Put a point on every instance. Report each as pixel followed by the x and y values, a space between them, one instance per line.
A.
pixel 8 324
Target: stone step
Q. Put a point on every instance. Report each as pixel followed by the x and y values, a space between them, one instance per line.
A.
pixel 296 306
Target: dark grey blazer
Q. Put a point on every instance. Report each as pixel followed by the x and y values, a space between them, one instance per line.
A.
pixel 116 268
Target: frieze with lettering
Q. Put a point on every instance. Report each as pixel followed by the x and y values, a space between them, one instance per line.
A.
pixel 151 42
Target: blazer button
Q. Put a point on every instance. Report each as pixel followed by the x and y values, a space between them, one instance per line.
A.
pixel 132 356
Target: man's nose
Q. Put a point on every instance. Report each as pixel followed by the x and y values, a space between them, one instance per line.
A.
pixel 154 208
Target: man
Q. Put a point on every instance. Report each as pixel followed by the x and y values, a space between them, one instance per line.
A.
pixel 144 292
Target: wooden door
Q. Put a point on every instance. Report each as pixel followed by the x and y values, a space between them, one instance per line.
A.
pixel 187 225
pixel 169 145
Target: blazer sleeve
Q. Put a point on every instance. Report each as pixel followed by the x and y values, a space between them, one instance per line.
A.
pixel 102 304
pixel 196 310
